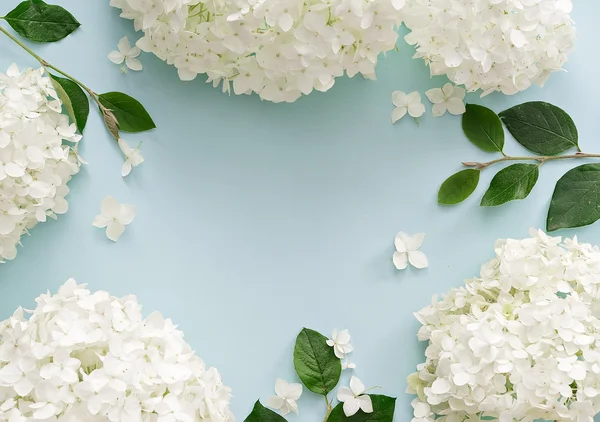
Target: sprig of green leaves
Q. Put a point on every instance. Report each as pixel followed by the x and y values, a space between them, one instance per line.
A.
pixel 543 129
pixel 40 22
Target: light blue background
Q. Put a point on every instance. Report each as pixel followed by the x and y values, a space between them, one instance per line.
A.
pixel 256 219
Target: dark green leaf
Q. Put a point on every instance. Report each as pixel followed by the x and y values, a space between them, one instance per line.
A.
pixel 576 199
pixel 513 182
pixel 262 414
pixel 383 411
pixel 74 100
pixel 483 127
pixel 41 22
pixel 130 114
pixel 315 362
pixel 458 187
pixel 541 127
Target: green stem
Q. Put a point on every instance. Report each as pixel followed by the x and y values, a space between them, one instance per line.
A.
pixel 329 409
pixel 541 159
pixel 45 64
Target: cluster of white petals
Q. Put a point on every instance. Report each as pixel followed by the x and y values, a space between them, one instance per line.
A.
pixel 35 162
pixel 520 343
pixel 279 49
pixel 491 45
pixel 84 356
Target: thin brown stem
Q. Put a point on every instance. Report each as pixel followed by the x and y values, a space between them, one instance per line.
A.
pixel 540 159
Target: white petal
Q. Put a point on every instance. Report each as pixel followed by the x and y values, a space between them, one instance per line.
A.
pixel 399 98
pixel 126 169
pixel 116 57
pixel 366 404
pixel 448 90
pixel 134 52
pixel 456 106
pixel 344 394
pixel 101 221
pixel 114 230
pixel 294 391
pixel 398 113
pixel 399 242
pixel 351 407
pixel 127 214
pixel 14 170
pixel 124 45
pixel 416 109
pixel 133 64
pixel 440 386
pixel 518 38
pixel 110 207
pixel 435 95
pixel 356 386
pixel 414 242
pixel 439 110
pixel 275 402
pixel 281 387
pixel 417 259
pixel 292 405
pixel 459 92
pixel 400 260
pixel 414 97
pixel 286 22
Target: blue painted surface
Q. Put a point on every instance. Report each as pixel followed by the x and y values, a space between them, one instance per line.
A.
pixel 256 219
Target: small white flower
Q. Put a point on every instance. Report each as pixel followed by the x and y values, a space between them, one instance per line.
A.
pixel 449 97
pixel 114 217
pixel 133 157
pixel 407 103
pixel 340 341
pixel 354 398
pixel 407 250
pixel 126 54
pixel 348 365
pixel 285 400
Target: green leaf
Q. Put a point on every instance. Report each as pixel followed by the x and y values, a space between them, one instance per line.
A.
pixel 541 127
pixel 458 187
pixel 262 414
pixel 74 100
pixel 483 128
pixel 130 114
pixel 315 362
pixel 383 411
pixel 41 22
pixel 576 199
pixel 513 182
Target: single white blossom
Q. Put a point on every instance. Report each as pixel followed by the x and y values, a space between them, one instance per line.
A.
pixel 348 365
pixel 448 98
pixel 287 394
pixel 114 216
pixel 133 157
pixel 407 103
pixel 491 45
pixel 82 356
pixel 407 250
pixel 340 341
pixel 354 398
pixel 126 53
pixel 37 155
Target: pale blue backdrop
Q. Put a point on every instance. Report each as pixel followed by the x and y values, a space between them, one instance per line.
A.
pixel 256 219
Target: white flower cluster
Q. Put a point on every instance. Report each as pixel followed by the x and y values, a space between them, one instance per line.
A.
pixel 520 343
pixel 491 45
pixel 35 163
pixel 84 356
pixel 279 49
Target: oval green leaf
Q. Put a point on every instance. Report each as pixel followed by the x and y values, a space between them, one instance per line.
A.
pixel 576 199
pixel 458 187
pixel 513 182
pixel 483 128
pixel 130 113
pixel 74 100
pixel 383 411
pixel 41 22
pixel 262 414
pixel 315 362
pixel 541 127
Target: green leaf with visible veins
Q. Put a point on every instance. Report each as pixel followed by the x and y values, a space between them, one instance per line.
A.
pixel 74 100
pixel 130 114
pixel 262 414
pixel 315 362
pixel 41 22
pixel 458 187
pixel 483 128
pixel 576 199
pixel 541 127
pixel 383 411
pixel 513 182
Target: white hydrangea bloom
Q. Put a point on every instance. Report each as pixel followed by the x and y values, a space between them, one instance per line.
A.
pixel 491 45
pixel 279 49
pixel 35 162
pixel 84 356
pixel 520 343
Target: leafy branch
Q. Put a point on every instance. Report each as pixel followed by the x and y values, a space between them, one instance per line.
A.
pixel 545 130
pixel 40 22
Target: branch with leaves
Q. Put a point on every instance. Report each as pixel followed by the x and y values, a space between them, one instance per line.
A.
pixel 320 369
pixel 545 130
pixel 43 23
